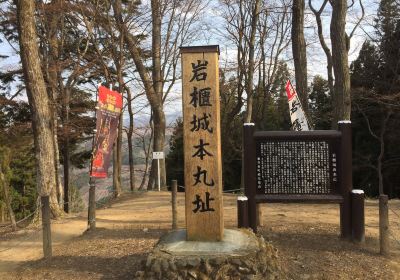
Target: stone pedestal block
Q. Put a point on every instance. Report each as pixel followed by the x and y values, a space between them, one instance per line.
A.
pixel 240 255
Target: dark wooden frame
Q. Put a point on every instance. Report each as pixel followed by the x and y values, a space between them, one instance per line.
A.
pixel 341 194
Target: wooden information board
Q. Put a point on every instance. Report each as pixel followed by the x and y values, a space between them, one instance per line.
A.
pixel 202 143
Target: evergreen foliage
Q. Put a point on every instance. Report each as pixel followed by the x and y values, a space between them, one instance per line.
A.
pixel 174 160
pixel 320 104
pixel 375 77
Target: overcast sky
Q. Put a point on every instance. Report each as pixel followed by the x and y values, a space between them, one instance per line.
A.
pixel 316 63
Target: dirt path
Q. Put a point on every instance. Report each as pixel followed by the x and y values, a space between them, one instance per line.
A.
pixel 306 237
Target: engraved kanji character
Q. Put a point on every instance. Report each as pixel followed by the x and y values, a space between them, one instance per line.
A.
pixel 198 70
pixel 201 123
pixel 203 173
pixel 201 205
pixel 201 151
pixel 200 97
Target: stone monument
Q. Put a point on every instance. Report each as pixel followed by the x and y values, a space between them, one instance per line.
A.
pixel 204 250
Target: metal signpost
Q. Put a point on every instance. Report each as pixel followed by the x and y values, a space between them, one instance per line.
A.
pixel 158 156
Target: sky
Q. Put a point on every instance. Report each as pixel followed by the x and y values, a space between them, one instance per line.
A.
pixel 316 59
pixel 214 35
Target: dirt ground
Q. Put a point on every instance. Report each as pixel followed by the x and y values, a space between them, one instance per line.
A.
pixel 306 237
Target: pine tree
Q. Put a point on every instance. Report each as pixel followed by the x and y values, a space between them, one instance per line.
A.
pixel 364 69
pixel 387 26
pixel 375 94
pixel 321 104
pixel 174 159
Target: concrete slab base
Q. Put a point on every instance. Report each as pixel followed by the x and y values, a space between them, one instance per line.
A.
pixel 234 243
pixel 240 255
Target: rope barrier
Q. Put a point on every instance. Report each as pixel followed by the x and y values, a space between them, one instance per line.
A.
pixel 109 197
pixel 394 212
pixel 53 203
pixel 396 223
pixel 394 238
pixel 30 215
pixel 227 191
pixel 23 240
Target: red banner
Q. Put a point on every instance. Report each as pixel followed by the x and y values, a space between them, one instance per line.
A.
pixel 107 120
pixel 290 91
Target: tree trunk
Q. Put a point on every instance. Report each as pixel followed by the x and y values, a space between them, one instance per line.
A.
pixel 382 150
pixel 53 76
pixel 2 217
pixel 384 241
pixel 153 87
pixel 55 210
pixel 37 97
pixel 340 60
pixel 250 75
pixel 158 146
pixel 115 171
pixel 59 186
pixel 47 244
pixel 299 52
pixel 158 110
pixel 129 135
pixel 65 150
pixel 39 102
pixel 147 156
pixel 328 54
pixel 7 198
pixel 117 161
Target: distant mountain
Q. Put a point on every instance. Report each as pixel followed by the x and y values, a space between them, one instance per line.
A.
pixel 143 119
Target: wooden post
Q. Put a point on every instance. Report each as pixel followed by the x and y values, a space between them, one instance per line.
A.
pixel 358 217
pixel 259 215
pixel 345 178
pixel 174 190
pixel 2 212
pixel 46 226
pixel 242 212
pixel 202 143
pixel 92 204
pixel 249 162
pixel 383 224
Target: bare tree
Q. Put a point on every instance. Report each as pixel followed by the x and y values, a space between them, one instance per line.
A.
pixel 340 47
pixel 4 184
pixel 250 70
pixel 39 102
pixel 129 134
pixel 340 59
pixel 324 46
pixel 378 109
pixel 299 51
pixel 52 23
pixel 271 32
pixel 274 40
pixel 146 147
pixel 180 17
pixel 317 13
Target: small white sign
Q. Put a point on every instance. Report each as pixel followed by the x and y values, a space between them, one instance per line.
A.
pixel 158 155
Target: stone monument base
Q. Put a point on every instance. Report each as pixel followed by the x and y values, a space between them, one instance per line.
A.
pixel 241 255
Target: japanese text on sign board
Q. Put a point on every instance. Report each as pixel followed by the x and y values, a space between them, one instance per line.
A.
pixel 296 167
pixel 200 97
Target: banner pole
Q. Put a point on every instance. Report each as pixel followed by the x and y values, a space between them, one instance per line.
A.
pixel 92 181
pixel 158 171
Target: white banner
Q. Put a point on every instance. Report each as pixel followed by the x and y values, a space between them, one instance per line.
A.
pixel 297 115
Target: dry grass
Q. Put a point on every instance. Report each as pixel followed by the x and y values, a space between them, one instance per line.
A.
pixel 306 237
